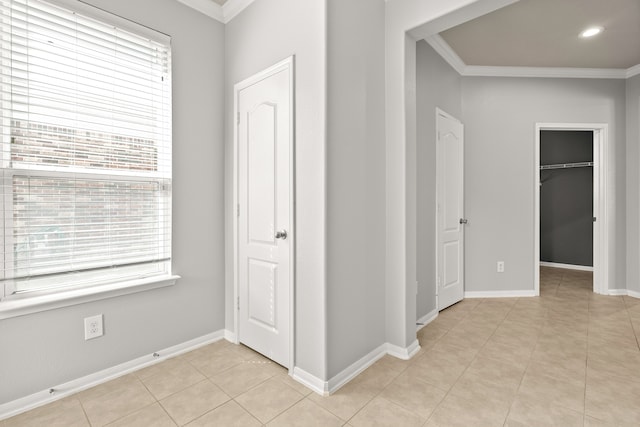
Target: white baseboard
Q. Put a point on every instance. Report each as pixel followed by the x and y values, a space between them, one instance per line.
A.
pixel 500 294
pixel 61 391
pixel 356 368
pixel 426 319
pixel 404 353
pixel 311 381
pixel 230 336
pixel 325 388
pixel 566 266
pixel 634 294
pixel 624 292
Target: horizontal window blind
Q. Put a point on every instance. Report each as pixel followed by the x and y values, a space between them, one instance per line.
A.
pixel 85 148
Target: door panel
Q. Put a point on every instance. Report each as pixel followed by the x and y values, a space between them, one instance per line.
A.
pixel 262 282
pixel 451 255
pixel 264 198
pixel 450 232
pixel 261 145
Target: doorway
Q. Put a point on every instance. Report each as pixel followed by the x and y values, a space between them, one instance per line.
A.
pixel 263 224
pixel 572 233
pixel 566 199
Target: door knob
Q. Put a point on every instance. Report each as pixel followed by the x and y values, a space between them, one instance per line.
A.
pixel 463 221
pixel 282 234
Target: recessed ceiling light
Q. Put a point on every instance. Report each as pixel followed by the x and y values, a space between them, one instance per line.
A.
pixel 590 32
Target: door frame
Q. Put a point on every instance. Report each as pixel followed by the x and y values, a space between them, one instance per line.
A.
pixel 438 180
pixel 601 148
pixel 286 64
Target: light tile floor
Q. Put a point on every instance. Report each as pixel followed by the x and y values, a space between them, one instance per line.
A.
pixel 567 358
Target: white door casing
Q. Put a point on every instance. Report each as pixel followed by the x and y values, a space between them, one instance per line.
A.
pixel 601 226
pixel 264 218
pixel 450 209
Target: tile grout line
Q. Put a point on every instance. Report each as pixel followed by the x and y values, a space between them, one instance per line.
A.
pixel 233 399
pixel 279 413
pixel 523 373
pixel 586 360
pixel 86 416
pixel 470 362
pixel 635 333
pixel 156 400
pixel 451 388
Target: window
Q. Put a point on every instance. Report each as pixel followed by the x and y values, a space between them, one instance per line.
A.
pixel 85 149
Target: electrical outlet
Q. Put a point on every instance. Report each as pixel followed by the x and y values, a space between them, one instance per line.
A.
pixel 500 267
pixel 93 327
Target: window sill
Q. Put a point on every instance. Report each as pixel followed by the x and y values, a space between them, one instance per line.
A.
pixel 21 306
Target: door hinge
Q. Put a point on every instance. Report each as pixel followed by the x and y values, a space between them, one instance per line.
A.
pixel 595 219
pixel 238 210
pixel 238 118
pixel 238 303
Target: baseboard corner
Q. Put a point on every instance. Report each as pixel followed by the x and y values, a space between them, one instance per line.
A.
pixel 230 336
pixel 404 353
pixel 310 381
pixel 633 294
pixel 356 368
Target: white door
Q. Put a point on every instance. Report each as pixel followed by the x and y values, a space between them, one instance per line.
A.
pixel 264 176
pixel 450 210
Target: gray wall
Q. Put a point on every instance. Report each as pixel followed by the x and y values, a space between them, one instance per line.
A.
pixel 633 183
pixel 438 85
pixel 566 198
pixel 499 116
pixel 45 349
pixel 356 182
pixel 265 33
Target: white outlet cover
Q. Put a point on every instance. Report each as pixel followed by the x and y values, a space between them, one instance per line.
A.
pixel 93 327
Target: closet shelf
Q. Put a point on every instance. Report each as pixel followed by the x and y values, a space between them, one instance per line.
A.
pixel 567 165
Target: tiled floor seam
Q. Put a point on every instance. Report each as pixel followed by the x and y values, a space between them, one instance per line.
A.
pixel 635 333
pixel 469 364
pixel 83 411
pixel 156 401
pixel 250 413
pixel 275 416
pixel 525 371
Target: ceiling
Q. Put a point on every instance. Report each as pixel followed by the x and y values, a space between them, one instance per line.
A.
pixel 545 33
pixel 220 2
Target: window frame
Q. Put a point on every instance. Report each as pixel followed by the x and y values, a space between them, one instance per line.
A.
pixel 19 303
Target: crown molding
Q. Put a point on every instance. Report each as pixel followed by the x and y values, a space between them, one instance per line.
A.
pixel 213 10
pixel 544 72
pixel 448 54
pixel 232 8
pixel 442 47
pixel 206 7
pixel 633 71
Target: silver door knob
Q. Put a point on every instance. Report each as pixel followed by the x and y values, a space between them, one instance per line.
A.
pixel 282 234
pixel 463 221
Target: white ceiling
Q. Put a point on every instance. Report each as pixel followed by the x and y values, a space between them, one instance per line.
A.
pixel 220 2
pixel 545 33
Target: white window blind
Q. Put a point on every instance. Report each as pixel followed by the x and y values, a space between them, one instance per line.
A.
pixel 85 148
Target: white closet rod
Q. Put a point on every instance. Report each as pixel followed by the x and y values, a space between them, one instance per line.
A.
pixel 567 165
